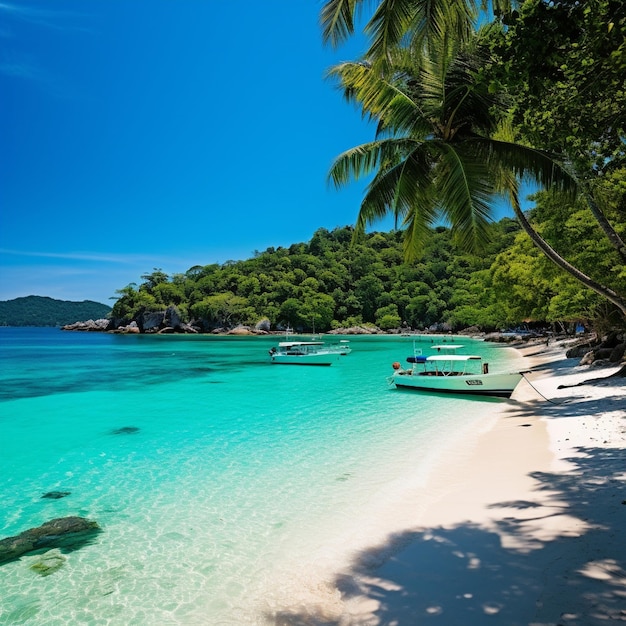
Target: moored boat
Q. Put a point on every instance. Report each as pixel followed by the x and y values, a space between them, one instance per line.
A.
pixel 304 353
pixel 454 373
pixel 342 347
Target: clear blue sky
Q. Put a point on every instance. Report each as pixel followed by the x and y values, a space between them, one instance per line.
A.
pixel 161 133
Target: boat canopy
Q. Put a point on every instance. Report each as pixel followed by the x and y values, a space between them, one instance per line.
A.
pixel 416 359
pixel 291 344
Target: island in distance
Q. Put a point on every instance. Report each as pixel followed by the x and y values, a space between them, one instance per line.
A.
pixel 44 311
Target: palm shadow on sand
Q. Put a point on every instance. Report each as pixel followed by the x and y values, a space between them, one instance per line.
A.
pixel 464 575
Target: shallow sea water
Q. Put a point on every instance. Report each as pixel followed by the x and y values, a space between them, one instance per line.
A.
pixel 235 485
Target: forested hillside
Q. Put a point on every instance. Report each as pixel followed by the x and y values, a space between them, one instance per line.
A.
pixel 331 282
pixel 44 311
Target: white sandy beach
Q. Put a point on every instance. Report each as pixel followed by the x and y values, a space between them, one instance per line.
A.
pixel 527 527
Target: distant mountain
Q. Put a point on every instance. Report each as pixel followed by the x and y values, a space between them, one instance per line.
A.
pixel 44 311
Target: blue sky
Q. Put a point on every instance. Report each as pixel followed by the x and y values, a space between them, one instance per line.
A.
pixel 160 133
pixel 165 134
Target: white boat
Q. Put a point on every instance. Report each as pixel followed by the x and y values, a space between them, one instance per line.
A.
pixel 304 353
pixel 454 373
pixel 342 347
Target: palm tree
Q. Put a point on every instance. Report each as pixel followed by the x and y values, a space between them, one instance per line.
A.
pixel 424 22
pixel 435 156
pixel 426 26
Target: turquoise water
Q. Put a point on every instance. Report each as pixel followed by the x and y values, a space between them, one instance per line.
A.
pixel 241 487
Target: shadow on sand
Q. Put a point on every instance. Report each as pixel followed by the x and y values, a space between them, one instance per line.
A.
pixel 463 575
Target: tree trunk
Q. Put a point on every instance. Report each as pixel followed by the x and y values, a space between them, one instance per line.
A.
pixel 605 225
pixel 554 256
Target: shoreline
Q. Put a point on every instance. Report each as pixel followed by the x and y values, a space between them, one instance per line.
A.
pixel 527 527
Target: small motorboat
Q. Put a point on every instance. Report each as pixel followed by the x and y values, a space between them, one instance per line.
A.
pixel 453 373
pixel 304 353
pixel 343 347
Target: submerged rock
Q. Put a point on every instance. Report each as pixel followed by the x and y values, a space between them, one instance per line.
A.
pixel 69 532
pixel 55 495
pixel 125 430
pixel 48 562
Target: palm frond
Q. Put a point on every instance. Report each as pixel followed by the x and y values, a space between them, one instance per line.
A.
pixel 417 224
pixel 499 7
pixel 364 159
pixel 437 22
pixel 404 188
pixel 466 192
pixel 509 185
pixel 388 26
pixel 337 20
pixel 526 163
pixel 380 98
pixel 468 102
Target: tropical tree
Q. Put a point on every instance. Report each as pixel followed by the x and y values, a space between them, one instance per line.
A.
pixel 439 153
pixel 223 310
pixel 423 22
pixel 570 90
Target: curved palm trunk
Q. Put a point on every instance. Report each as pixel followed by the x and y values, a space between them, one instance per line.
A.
pixel 558 260
pixel 605 225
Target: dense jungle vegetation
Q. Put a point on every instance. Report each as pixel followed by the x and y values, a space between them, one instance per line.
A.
pixel 330 282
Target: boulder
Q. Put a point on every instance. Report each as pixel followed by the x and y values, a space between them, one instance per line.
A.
pixel 132 328
pixel 90 325
pixel 172 318
pixel 70 532
pixel 581 350
pixel 611 340
pixel 588 358
pixel 355 330
pixel 617 354
pixel 263 325
pixel 151 321
pixel 240 330
pixel 362 330
pixel 603 353
pixel 48 562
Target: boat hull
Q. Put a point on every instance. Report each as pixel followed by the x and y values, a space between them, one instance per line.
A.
pixel 498 385
pixel 320 358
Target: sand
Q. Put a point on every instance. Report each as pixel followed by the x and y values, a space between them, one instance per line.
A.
pixel 527 527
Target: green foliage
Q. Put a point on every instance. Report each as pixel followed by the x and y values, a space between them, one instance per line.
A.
pixel 564 65
pixel 529 286
pixel 330 283
pixel 43 311
pixel 223 310
pixel 387 317
pixel 133 302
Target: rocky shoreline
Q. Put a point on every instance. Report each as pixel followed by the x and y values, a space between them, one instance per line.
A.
pixel 590 348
